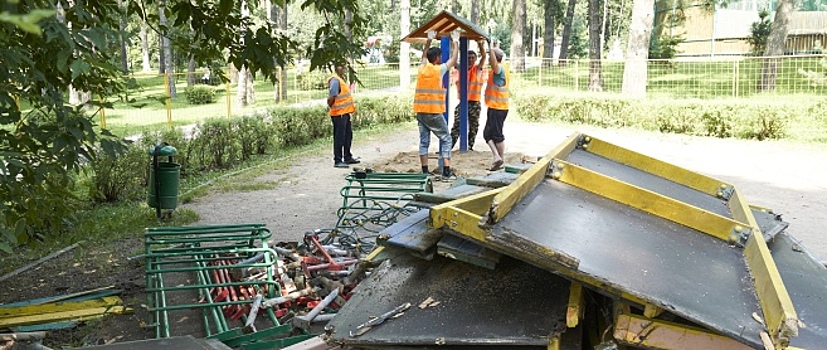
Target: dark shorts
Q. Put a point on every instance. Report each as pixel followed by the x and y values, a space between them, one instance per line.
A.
pixel 494 125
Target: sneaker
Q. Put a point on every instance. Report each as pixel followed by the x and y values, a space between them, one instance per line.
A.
pixel 352 161
pixel 449 177
pixel 340 165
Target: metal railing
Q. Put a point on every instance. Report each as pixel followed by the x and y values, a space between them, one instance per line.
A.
pixel 700 78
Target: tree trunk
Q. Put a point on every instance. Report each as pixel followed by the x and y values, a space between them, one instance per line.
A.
pixel 475 11
pixel 169 69
pixel 595 68
pixel 122 27
pixel 404 48
pixel 192 78
pixel 145 66
pixel 283 77
pixel 549 8
pixel 776 44
pixel 564 45
pixel 517 34
pixel 640 31
pixel 243 74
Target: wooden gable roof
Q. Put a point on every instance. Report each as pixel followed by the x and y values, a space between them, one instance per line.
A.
pixel 444 23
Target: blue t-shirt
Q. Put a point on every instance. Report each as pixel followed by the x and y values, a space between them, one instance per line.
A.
pixel 499 77
pixel 334 87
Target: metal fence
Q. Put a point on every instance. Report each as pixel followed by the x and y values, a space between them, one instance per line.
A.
pixel 703 78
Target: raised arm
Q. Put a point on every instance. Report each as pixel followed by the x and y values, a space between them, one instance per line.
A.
pixel 425 51
pixel 481 45
pixel 492 59
pixel 452 62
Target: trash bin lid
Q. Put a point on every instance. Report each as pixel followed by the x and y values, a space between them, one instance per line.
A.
pixel 164 151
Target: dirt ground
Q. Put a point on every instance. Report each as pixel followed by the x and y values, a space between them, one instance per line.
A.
pixel 785 176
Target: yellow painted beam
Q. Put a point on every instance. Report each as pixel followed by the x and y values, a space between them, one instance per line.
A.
pixel 478 203
pixel 575 308
pixel 554 343
pixel 652 311
pixel 58 307
pixel 656 334
pixel 516 191
pixel 668 208
pixel 779 313
pixel 459 220
pixel 61 316
pixel 654 166
pixel 741 211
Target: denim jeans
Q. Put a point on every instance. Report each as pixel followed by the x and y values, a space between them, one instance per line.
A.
pixel 433 123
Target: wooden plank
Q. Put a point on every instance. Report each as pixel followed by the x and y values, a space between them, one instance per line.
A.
pixel 575 309
pixel 58 307
pixel 61 316
pixel 649 333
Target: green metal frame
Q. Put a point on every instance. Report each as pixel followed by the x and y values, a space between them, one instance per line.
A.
pixel 192 250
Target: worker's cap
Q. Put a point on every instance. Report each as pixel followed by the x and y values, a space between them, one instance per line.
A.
pixel 498 53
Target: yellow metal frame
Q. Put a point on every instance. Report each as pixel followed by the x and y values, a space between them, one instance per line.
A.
pixel 513 193
pixel 656 334
pixel 472 216
pixel 58 307
pixel 654 166
pixel 576 307
pixel 648 201
pixel 780 316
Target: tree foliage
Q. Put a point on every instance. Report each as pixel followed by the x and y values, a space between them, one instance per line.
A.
pixel 49 46
pixel 759 32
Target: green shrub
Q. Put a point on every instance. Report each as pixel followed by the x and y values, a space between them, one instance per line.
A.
pixel 200 95
pixel 314 80
pixel 254 135
pixel 761 120
pixel 215 144
pixel 121 177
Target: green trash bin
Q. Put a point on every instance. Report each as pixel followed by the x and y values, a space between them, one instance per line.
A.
pixel 163 179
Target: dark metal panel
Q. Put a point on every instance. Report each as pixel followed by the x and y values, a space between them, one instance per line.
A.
pixel 806 282
pixel 687 272
pixel 517 304
pixel 769 223
pixel 648 181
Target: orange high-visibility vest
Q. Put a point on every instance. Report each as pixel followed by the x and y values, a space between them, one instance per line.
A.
pixel 343 104
pixel 430 95
pixel 475 82
pixel 496 97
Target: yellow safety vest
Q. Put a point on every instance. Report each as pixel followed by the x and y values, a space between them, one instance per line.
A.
pixel 344 101
pixel 475 80
pixel 430 95
pixel 496 97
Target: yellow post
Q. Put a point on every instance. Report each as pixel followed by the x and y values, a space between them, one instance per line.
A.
pixel 540 76
pixel 17 102
pixel 229 102
pixel 576 78
pixel 169 100
pixel 735 78
pixel 103 113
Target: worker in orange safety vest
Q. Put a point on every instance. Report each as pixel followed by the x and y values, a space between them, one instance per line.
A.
pixel 496 99
pixel 476 79
pixel 429 104
pixel 341 108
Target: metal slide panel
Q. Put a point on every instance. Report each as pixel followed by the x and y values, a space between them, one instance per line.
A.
pixel 806 281
pixel 679 269
pixel 516 305
pixel 649 181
